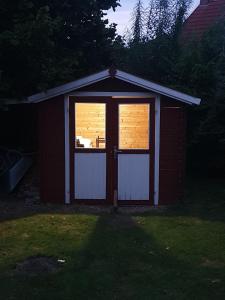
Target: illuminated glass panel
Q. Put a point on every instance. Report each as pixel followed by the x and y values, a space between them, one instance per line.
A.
pixel 90 119
pixel 134 126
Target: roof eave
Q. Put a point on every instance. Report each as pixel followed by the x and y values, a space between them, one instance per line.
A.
pixel 159 89
pixel 148 85
pixel 68 87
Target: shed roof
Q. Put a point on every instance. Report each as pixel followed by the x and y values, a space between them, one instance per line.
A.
pixel 113 73
pixel 203 17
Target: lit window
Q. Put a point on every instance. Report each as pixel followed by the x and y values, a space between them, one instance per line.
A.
pixel 90 125
pixel 134 126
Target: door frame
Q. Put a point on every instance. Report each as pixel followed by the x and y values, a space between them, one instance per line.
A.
pixel 111 171
pixel 150 151
pixel 74 150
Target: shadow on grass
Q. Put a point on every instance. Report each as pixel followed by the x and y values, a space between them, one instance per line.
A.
pixel 204 199
pixel 119 261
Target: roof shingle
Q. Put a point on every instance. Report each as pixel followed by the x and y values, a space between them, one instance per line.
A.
pixel 203 17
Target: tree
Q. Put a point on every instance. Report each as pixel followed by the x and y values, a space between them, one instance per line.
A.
pixel 163 16
pixel 196 68
pixel 44 43
pixel 201 68
pixel 153 48
pixel 138 23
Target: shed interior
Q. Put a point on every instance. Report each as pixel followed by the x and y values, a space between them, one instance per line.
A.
pixel 90 125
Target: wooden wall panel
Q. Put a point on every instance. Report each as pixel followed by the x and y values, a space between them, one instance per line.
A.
pixel 112 85
pixel 172 151
pixel 90 121
pixel 134 126
pixel 51 150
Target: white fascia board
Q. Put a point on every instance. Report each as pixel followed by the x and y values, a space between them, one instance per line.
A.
pixel 151 86
pixel 68 87
pixel 113 94
pixel 159 89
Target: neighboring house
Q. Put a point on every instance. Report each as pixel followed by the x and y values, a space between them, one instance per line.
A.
pixel 208 13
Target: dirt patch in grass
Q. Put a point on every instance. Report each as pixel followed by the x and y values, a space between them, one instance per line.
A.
pixel 36 265
pixel 213 264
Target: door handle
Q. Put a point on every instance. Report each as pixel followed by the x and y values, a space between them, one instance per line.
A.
pixel 116 151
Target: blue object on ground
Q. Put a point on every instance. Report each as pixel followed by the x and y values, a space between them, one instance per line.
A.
pixel 13 166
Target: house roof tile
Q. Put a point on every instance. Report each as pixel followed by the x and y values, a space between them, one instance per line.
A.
pixel 203 17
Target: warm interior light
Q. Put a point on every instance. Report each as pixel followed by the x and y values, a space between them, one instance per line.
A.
pixel 134 126
pixel 90 125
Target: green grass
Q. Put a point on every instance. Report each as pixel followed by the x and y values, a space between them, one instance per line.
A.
pixel 175 254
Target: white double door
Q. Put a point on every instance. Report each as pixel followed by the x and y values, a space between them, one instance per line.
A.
pixel 119 162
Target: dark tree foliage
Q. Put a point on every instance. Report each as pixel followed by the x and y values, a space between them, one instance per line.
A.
pixel 153 53
pixel 138 23
pixel 47 42
pixel 44 43
pixel 201 71
pixel 194 67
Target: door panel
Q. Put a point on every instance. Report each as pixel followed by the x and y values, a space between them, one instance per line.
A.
pixel 132 151
pixel 90 153
pixel 133 176
pixel 111 150
pixel 90 176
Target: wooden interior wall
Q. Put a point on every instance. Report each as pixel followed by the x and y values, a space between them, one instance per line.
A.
pixel 133 120
pixel 90 121
pixel 134 126
pixel 51 150
pixel 172 151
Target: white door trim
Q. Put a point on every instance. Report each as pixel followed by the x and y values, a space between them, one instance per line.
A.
pixel 67 150
pixel 157 150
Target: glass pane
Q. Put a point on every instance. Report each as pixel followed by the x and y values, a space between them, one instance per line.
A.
pixel 90 125
pixel 134 126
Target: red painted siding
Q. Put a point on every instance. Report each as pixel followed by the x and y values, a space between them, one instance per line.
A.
pixel 112 85
pixel 52 153
pixel 172 152
pixel 51 150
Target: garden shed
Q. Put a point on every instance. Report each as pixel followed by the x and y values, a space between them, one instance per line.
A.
pixel 112 137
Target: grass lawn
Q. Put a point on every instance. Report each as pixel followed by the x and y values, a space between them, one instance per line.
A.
pixel 172 254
